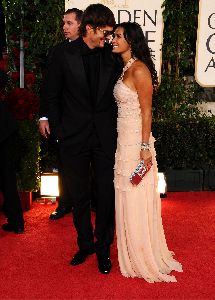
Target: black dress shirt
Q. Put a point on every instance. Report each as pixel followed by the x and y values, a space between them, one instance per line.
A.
pixel 91 61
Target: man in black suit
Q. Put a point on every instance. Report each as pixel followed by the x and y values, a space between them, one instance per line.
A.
pixel 71 23
pixel 82 116
pixel 8 186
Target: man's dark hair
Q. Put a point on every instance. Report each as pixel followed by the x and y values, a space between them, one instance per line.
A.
pixel 78 13
pixel 97 15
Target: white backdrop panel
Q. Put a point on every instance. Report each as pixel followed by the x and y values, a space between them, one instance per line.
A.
pixel 205 47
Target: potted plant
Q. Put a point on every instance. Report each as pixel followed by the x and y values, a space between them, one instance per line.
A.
pixel 23 104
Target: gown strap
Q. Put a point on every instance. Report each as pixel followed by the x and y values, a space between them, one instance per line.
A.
pixel 127 66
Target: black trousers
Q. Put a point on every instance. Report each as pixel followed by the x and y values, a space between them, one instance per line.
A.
pixel 76 170
pixel 8 185
pixel 64 200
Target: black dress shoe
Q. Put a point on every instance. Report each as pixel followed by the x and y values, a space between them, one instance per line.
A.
pixel 104 264
pixel 81 256
pixel 13 228
pixel 59 213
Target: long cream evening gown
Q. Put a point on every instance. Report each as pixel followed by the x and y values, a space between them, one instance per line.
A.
pixel 142 248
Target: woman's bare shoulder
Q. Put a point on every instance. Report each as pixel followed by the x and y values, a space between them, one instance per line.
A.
pixel 140 70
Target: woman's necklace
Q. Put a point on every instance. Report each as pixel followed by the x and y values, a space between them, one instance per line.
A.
pixel 127 66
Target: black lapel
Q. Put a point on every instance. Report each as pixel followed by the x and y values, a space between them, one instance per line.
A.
pixel 76 65
pixel 77 71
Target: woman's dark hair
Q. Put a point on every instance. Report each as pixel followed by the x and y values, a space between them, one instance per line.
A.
pixel 135 37
pixel 97 15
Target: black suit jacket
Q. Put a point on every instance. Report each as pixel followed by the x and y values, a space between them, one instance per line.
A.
pixel 71 114
pixel 7 122
pixel 43 109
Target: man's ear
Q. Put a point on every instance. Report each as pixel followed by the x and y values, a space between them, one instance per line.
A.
pixel 89 28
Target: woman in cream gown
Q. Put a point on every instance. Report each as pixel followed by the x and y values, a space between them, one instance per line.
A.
pixel 142 247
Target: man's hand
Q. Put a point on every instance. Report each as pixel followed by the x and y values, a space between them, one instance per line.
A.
pixel 44 128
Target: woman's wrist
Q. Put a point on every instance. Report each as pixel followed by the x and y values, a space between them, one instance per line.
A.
pixel 145 146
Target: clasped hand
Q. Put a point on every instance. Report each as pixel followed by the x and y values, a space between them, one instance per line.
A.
pixel 146 156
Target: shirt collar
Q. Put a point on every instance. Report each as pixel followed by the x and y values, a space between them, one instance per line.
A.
pixel 88 51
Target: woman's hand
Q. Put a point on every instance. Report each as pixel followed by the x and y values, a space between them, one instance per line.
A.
pixel 146 156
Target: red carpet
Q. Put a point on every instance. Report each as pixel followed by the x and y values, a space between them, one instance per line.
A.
pixel 35 265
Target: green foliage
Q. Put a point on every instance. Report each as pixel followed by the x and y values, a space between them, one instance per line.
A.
pixel 185 138
pixel 185 143
pixel 39 23
pixel 28 151
pixel 48 155
pixel 180 30
pixel 176 96
pixel 178 93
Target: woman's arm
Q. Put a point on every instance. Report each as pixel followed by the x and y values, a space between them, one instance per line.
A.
pixel 143 85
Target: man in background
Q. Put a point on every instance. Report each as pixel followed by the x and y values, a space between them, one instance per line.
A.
pixel 71 23
pixel 8 185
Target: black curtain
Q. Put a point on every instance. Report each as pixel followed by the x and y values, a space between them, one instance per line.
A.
pixel 2 30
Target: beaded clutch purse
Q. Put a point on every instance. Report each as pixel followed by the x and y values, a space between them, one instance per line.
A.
pixel 139 173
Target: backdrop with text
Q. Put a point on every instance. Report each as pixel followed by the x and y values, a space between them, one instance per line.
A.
pixel 205 48
pixel 147 13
